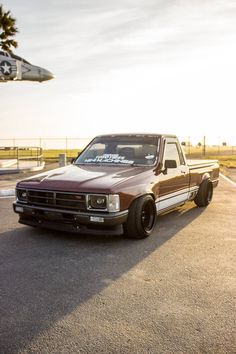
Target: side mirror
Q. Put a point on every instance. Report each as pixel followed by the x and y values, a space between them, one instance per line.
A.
pixel 170 164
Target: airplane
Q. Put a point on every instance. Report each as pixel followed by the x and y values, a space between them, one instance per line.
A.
pixel 14 68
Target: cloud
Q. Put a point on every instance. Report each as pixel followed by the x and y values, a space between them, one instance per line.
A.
pixel 86 43
pixel 85 32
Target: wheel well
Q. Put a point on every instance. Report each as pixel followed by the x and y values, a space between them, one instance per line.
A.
pixel 143 195
pixel 205 176
pixel 208 180
pixel 204 194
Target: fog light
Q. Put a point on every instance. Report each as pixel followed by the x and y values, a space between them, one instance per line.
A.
pixel 19 209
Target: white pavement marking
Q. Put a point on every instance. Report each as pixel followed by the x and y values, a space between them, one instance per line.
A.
pixel 228 180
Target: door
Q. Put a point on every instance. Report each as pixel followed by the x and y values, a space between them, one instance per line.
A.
pixel 173 182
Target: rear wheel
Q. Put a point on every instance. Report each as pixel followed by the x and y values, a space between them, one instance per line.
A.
pixel 204 194
pixel 142 218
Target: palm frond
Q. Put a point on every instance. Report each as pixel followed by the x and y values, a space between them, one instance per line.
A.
pixel 8 29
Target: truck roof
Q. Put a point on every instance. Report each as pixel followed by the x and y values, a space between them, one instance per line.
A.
pixel 136 135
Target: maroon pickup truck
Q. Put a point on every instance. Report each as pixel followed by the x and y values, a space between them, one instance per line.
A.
pixel 117 183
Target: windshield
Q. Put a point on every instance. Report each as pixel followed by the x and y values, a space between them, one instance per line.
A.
pixel 121 150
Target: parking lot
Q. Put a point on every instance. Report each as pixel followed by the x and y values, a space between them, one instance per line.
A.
pixel 174 292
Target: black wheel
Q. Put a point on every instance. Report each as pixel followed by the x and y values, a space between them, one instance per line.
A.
pixel 204 194
pixel 142 218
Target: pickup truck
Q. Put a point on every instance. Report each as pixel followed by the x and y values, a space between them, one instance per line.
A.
pixel 118 183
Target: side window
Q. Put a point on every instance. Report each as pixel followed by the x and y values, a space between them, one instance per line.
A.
pixel 172 152
pixel 181 156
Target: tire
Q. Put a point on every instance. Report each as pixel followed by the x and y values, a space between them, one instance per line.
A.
pixel 142 218
pixel 204 194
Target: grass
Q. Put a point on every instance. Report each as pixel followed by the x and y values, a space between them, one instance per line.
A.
pixel 48 155
pixel 53 154
pixel 225 161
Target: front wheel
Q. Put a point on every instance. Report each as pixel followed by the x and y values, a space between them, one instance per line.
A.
pixel 142 218
pixel 204 194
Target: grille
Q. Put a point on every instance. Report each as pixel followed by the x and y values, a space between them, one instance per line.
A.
pixel 70 201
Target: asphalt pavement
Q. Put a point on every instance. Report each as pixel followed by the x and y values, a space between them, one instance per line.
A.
pixel 174 292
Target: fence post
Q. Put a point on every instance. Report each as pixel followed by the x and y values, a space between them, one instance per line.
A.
pixel 17 156
pixel 62 160
pixel 66 146
pixel 204 146
pixel 189 145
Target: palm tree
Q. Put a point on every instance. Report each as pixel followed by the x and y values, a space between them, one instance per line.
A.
pixel 7 30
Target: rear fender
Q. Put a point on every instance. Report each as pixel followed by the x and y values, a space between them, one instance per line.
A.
pixel 205 176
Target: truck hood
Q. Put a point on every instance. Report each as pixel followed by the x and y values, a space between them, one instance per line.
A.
pixel 80 178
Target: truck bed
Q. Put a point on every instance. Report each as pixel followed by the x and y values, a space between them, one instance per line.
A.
pixel 193 164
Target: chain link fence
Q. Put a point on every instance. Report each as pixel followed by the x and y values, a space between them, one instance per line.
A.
pixel 194 146
pixel 47 143
pixel 200 146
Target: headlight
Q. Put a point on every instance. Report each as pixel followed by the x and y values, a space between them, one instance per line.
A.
pixel 97 201
pixel 21 195
pixel 110 202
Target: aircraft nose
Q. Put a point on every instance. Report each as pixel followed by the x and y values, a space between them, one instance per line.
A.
pixel 46 75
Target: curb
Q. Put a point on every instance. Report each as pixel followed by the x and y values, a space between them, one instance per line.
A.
pixel 6 171
pixel 7 193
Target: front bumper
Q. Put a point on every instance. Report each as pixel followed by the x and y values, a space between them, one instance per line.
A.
pixel 67 220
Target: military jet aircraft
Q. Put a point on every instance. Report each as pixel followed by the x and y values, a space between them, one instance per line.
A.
pixel 13 67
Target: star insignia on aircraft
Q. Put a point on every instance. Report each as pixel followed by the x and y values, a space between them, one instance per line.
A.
pixel 5 67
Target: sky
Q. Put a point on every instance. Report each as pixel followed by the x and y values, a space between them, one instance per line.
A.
pixel 160 66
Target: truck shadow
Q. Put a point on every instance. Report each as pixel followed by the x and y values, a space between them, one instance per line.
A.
pixel 45 275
